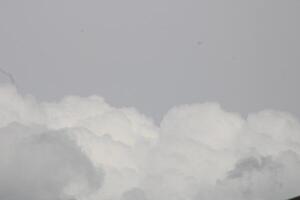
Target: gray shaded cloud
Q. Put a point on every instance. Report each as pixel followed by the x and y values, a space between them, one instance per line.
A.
pixel 38 164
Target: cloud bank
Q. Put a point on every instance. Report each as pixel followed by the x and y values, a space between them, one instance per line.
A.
pixel 81 148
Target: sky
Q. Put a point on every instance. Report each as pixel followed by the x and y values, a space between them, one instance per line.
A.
pixel 149 100
pixel 156 54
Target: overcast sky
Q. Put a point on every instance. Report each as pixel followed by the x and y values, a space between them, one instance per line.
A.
pixel 156 54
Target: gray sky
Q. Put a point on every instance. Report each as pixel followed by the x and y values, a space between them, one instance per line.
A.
pixel 156 54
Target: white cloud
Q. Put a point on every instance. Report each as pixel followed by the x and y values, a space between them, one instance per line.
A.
pixel 83 148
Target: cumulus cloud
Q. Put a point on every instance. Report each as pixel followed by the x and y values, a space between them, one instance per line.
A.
pixel 82 148
pixel 39 164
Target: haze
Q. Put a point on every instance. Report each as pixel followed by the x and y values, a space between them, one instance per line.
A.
pixel 155 54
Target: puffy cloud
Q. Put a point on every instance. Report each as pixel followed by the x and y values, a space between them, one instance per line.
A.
pixel 39 164
pixel 82 148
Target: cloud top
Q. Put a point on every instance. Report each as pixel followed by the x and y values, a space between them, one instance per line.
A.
pixel 85 149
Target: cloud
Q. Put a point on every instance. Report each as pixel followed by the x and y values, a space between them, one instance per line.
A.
pixel 82 148
pixel 39 164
